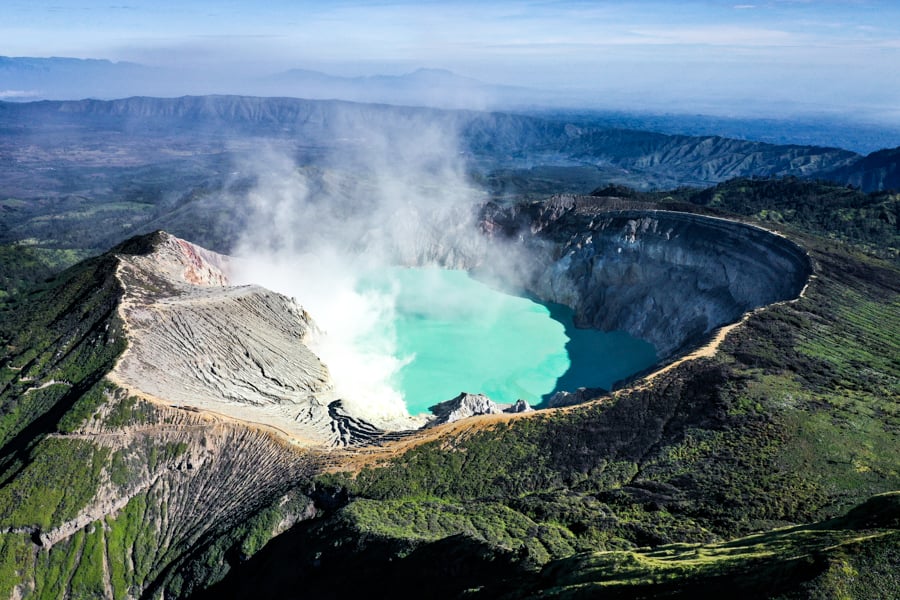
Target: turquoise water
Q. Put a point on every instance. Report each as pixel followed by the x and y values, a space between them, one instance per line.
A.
pixel 463 335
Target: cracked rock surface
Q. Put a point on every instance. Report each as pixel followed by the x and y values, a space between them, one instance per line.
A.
pixel 195 341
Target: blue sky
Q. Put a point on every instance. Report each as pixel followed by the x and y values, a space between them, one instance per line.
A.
pixel 822 54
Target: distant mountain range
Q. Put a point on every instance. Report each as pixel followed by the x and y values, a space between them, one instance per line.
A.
pixel 30 79
pixel 877 171
pixel 423 87
pixel 26 79
pixel 493 140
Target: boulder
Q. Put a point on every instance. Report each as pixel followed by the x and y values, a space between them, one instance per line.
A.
pixel 463 406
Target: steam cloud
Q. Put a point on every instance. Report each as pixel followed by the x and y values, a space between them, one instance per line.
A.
pixel 395 194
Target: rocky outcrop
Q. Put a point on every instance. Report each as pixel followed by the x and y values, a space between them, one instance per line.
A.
pixel 579 396
pixel 463 406
pixel 667 277
pixel 519 406
pixel 469 405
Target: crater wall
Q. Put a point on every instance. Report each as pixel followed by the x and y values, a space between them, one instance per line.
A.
pixel 667 277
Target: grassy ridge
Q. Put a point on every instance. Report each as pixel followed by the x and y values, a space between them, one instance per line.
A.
pixel 57 346
pixel 867 221
pixel 832 557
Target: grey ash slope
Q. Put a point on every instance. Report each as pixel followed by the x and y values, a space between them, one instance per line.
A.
pixel 197 342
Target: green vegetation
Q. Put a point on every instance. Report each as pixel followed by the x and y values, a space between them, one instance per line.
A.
pixel 124 530
pixel 855 556
pixel 160 455
pixel 867 221
pixel 841 557
pixel 15 559
pixel 23 266
pixel 663 488
pixel 833 560
pixel 60 478
pixel 58 345
pixel 129 411
pixel 131 545
pixel 85 407
pixel 87 579
pixel 841 218
pixel 53 569
pixel 430 520
pixel 796 419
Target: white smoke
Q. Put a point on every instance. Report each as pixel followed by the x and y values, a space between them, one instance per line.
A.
pixel 396 194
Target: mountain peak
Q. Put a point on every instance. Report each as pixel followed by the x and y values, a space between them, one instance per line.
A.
pixel 176 259
pixel 140 245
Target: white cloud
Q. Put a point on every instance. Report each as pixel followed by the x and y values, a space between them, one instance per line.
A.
pixel 718 35
pixel 629 45
pixel 19 94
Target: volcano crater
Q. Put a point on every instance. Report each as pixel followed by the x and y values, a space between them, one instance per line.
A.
pixel 669 278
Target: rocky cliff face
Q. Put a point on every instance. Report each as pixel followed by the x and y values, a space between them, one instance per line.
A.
pixel 667 277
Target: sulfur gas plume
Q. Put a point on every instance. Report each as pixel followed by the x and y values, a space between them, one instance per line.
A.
pixel 395 195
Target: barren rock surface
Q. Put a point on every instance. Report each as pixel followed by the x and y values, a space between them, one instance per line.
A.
pixel 467 405
pixel 670 278
pixel 195 341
